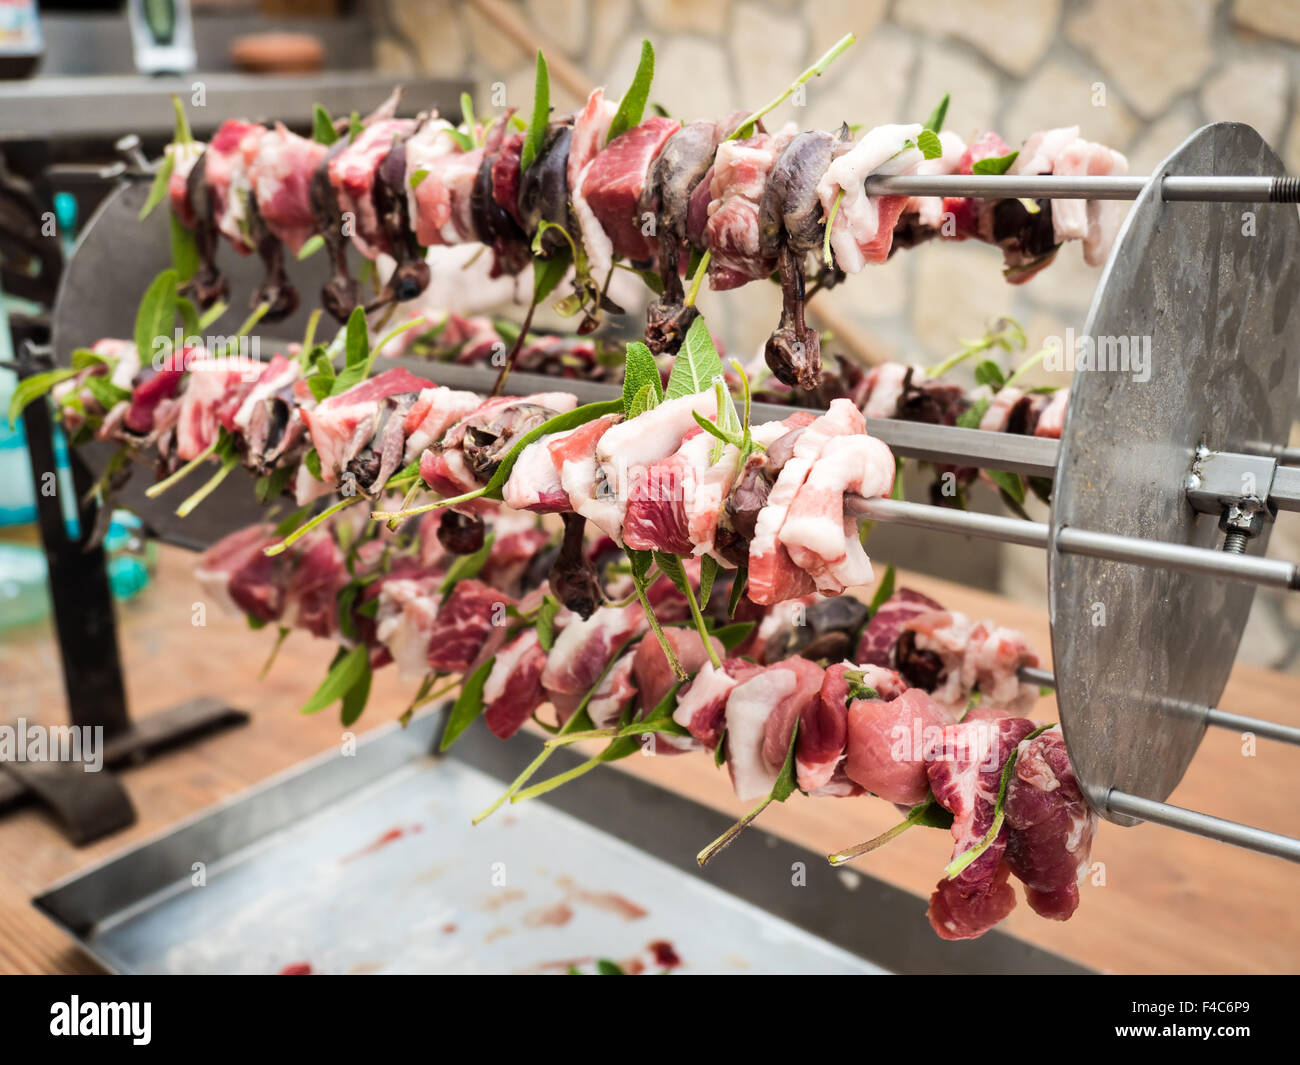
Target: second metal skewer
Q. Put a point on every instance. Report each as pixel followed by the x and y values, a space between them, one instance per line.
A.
pixel 1226 719
pixel 1271 573
pixel 1245 189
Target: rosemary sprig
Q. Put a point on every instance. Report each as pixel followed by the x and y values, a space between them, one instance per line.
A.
pixel 1005 333
pixel 1026 366
pixel 227 464
pixel 781 790
pixel 967 857
pixel 697 279
pixel 914 817
pixel 291 538
pixel 578 716
pixel 155 490
pixel 746 128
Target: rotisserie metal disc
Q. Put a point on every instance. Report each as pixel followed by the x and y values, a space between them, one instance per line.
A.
pixel 1213 288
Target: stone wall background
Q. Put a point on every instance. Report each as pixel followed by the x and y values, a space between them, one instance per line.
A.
pixel 1138 75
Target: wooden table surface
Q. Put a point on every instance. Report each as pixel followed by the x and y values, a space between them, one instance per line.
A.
pixel 1169 903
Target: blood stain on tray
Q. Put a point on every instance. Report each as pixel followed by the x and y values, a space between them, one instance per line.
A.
pixel 498 932
pixel 434 872
pixel 609 901
pixel 613 903
pixel 666 956
pixel 560 913
pixel 391 836
pixel 297 968
pixel 563 964
pixel 449 928
pixel 499 899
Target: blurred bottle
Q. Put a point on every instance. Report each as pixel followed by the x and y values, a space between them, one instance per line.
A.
pixel 65 214
pixel 17 502
pixel 132 557
pixel 24 599
pixel 162 36
pixel 21 42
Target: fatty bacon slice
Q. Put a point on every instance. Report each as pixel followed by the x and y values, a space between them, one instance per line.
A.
pixel 965 775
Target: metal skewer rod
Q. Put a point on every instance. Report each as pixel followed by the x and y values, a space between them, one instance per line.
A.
pixel 942 444
pixel 944 519
pixel 1030 455
pixel 1162 813
pixel 1044 678
pixel 1269 730
pixel 1268 572
pixel 949 445
pixel 1271 573
pixel 1247 189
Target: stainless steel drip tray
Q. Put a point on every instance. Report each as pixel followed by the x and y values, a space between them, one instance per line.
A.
pixel 368 862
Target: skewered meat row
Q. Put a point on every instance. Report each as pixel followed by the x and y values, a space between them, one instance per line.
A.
pixel 888 390
pixel 864 728
pixel 658 482
pixel 652 196
pixel 259 400
pixel 635 480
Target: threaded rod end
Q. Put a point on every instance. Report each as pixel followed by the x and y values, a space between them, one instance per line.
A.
pixel 1285 190
pixel 1235 543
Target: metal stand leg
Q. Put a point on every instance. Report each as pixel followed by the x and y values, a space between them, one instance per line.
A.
pixel 91 805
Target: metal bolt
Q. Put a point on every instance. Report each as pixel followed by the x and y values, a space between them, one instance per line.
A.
pixel 1240 523
pixel 128 148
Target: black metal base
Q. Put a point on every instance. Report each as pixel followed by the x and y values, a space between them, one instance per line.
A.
pixel 89 806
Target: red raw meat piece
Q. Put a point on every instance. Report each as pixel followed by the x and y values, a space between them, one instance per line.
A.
pixel 702 703
pixel 148 395
pixel 654 677
pixel 824 730
pixel 736 183
pixel 697 211
pixel 656 518
pixel 878 638
pixel 280 174
pixel 513 690
pixel 505 175
pixel 394 382
pixel 469 628
pixel 965 774
pixel 801 705
pixel 352 173
pixel 237 569
pixel 318 578
pixel 616 179
pixel 888 743
pixel 584 648
pixel 1050 826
